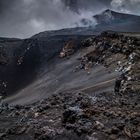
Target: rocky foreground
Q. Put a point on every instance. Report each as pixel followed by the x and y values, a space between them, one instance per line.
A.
pixel 69 115
pixel 74 116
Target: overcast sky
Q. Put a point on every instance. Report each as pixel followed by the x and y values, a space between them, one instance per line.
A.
pixel 23 18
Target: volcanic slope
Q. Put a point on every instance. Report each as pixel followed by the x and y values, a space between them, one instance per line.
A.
pixel 56 74
pixel 90 100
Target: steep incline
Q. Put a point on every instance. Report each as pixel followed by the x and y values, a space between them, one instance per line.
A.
pixel 93 92
pixel 59 76
pixel 27 59
pixel 69 68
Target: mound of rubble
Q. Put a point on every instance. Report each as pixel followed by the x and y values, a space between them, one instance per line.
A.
pixel 73 116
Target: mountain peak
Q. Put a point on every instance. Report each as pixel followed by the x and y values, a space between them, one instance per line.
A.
pixel 107 11
pixel 106 16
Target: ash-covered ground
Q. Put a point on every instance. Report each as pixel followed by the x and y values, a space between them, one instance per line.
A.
pixel 89 111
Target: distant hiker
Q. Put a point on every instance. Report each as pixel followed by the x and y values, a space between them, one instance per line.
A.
pixel 117 85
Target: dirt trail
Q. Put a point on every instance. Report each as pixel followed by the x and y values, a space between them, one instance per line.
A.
pixel 99 85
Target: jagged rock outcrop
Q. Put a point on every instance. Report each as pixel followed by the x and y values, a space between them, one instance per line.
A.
pixel 118 52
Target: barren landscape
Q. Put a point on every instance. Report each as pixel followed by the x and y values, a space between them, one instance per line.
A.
pixel 72 84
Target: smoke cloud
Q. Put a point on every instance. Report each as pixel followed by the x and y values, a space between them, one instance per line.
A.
pixel 23 18
pixel 126 6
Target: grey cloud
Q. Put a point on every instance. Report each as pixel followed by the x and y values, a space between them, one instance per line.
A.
pixel 23 18
pixel 127 6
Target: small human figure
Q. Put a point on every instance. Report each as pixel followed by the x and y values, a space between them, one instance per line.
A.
pixel 117 85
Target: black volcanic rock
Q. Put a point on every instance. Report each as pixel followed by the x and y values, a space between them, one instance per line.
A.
pixel 68 119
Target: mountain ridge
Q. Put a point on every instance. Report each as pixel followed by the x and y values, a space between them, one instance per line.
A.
pixel 106 20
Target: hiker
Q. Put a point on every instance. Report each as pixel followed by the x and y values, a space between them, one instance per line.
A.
pixel 117 85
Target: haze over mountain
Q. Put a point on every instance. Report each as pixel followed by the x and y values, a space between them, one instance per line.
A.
pixel 24 18
pixel 106 20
